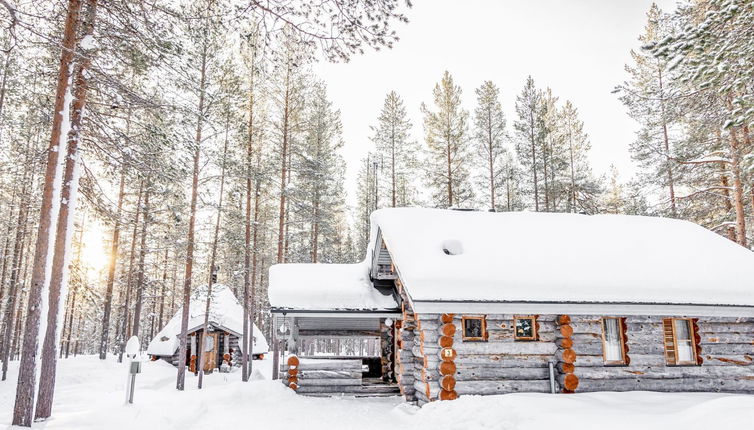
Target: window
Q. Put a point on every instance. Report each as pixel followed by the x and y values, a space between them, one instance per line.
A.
pixel 680 342
pixel 474 328
pixel 525 328
pixel 613 341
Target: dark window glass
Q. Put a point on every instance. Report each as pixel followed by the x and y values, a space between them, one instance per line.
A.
pixel 525 328
pixel 472 327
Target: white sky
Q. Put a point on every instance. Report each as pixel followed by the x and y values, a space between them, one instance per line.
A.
pixel 577 47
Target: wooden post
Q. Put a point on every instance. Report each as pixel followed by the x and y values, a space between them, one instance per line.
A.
pixel 226 348
pixel 192 361
pixel 275 351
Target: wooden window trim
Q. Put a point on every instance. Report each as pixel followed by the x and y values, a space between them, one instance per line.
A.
pixel 692 339
pixel 622 361
pixel 483 319
pixel 535 334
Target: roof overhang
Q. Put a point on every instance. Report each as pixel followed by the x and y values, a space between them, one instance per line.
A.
pixel 338 313
pixel 649 309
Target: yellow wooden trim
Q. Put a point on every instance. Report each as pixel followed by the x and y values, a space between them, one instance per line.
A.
pixel 483 337
pixel 533 318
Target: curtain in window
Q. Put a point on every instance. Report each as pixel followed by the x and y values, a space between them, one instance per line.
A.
pixel 613 347
pixel 683 340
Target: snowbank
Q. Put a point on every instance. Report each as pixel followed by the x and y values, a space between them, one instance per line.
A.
pixel 225 311
pixel 90 395
pixel 325 287
pixel 547 257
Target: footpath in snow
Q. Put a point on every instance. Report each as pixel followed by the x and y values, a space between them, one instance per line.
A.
pixel 91 395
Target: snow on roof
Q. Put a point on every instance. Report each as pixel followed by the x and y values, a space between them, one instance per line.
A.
pixel 225 312
pixel 448 255
pixel 325 287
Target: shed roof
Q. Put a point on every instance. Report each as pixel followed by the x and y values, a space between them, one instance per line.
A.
pixel 326 287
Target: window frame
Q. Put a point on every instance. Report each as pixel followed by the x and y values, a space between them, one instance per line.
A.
pixel 692 341
pixel 621 339
pixel 535 334
pixel 483 337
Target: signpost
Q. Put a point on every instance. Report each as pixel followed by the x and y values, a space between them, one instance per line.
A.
pixel 134 366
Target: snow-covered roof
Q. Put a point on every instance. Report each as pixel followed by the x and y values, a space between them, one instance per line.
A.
pixel 548 257
pixel 325 287
pixel 225 312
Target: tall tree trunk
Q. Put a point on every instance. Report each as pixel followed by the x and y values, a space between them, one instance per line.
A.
pixel 392 161
pixel 140 287
pixel 284 168
pixel 533 143
pixel 163 287
pixel 572 193
pixel 23 410
pixel 490 159
pixel 181 377
pixel 212 258
pixel 449 161
pixel 104 339
pixel 738 197
pixel 125 321
pixel 666 146
pixel 13 287
pixel 66 216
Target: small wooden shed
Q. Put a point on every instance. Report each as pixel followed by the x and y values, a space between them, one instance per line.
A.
pixel 494 303
pixel 224 334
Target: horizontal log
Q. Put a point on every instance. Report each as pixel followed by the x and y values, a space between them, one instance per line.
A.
pixel 664 372
pixel 422 387
pixel 501 387
pixel 502 373
pixel 347 389
pixel 314 382
pixel 338 333
pixel 712 327
pixel 520 348
pixel 328 374
pixel 681 384
pixel 508 336
pixel 351 365
pixel 745 338
pixel 727 349
pixel 503 360
pixel 731 360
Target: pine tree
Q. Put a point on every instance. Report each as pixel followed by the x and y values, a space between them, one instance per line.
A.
pixel 530 136
pixel 448 155
pixel 394 145
pixel 490 136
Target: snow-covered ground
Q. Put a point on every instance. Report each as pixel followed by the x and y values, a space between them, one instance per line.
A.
pixel 90 395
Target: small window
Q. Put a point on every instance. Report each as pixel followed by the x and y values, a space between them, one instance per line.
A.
pixel 613 341
pixel 525 328
pixel 474 328
pixel 680 343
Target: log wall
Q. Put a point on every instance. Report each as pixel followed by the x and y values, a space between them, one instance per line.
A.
pixel 445 366
pixel 726 349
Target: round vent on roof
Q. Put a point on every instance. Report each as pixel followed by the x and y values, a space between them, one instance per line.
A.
pixel 452 247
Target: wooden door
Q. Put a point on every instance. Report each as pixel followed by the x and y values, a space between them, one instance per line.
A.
pixel 210 352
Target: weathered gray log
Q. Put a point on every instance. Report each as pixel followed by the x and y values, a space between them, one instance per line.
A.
pixel 351 365
pixel 664 372
pixel 523 348
pixel 728 360
pixel 502 387
pixel 328 382
pixel 729 348
pixel 338 333
pixel 681 384
pixel 421 389
pixel 506 373
pixel 348 389
pixel 745 338
pixel 707 327
pixel 328 374
pixel 502 360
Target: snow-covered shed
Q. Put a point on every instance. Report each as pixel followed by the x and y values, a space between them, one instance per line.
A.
pixel 504 302
pixel 224 334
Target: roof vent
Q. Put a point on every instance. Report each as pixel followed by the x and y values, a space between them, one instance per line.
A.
pixel 452 247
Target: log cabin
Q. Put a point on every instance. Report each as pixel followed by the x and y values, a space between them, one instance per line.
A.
pixel 224 333
pixel 477 303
